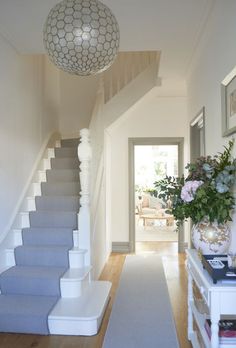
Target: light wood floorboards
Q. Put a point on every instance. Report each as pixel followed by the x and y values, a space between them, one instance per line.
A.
pixel 177 285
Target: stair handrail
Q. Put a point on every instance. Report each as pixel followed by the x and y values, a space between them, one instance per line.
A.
pixel 85 156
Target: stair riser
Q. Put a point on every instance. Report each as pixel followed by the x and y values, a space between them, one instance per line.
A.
pixel 34 190
pixel 63 152
pixel 76 260
pixel 69 143
pixel 46 164
pixel 18 238
pixel 52 203
pixel 40 176
pixel 28 204
pixel 73 289
pixel 10 258
pixel 61 189
pixel 72 327
pixel 31 206
pixel 64 220
pixel 25 286
pixel 58 143
pixel 24 220
pixel 60 175
pixel 68 326
pixel 66 163
pixel 50 153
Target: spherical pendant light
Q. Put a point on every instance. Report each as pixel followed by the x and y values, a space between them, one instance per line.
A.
pixel 81 36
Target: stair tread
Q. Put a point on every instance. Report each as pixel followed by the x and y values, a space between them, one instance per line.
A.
pixel 70 142
pixel 22 314
pixel 65 188
pixel 33 270
pixel 44 218
pixel 35 229
pixel 72 250
pixel 62 175
pixel 64 183
pixel 54 202
pixel 51 212
pixel 38 247
pixel 52 256
pixel 89 305
pixel 65 151
pixel 71 274
pixel 64 163
pixel 24 303
pixel 30 280
pixel 56 197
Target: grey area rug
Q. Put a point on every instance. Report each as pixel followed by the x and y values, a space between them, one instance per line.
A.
pixel 141 315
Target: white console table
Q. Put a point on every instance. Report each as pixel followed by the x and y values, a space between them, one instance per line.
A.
pixel 220 299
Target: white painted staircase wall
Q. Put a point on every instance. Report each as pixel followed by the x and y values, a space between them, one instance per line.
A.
pixel 80 309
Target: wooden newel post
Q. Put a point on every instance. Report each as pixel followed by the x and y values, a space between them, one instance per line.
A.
pixel 85 156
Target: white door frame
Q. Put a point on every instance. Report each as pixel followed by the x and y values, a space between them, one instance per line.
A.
pixel 197 136
pixel 150 141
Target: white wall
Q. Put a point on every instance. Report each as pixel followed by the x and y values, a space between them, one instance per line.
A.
pixel 153 116
pixel 26 119
pixel 102 179
pixel 77 97
pixel 214 59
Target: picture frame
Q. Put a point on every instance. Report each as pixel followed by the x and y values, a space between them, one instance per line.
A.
pixel 228 103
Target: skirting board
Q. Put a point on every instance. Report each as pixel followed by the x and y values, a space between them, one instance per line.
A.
pixel 182 247
pixel 120 247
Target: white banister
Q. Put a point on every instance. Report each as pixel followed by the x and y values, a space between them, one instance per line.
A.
pixel 85 156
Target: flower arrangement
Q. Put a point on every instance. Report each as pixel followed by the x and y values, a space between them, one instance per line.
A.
pixel 205 194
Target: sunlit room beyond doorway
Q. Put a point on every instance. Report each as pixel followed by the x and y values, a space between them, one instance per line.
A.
pixel 153 219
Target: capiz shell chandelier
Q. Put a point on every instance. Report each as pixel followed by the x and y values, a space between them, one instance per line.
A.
pixel 81 36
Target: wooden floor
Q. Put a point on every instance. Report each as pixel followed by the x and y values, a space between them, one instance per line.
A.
pixel 177 285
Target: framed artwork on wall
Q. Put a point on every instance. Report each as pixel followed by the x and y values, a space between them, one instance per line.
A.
pixel 228 103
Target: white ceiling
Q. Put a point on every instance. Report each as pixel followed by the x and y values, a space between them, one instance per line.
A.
pixel 171 26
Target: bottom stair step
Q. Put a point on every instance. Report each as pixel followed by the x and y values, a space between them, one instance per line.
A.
pixel 25 314
pixel 37 281
pixel 82 315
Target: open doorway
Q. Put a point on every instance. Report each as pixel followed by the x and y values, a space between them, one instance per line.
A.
pixel 153 221
pixel 151 159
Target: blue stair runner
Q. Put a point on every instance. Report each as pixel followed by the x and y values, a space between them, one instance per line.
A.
pixel 30 290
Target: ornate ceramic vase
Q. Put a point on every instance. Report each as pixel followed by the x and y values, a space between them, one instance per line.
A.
pixel 211 237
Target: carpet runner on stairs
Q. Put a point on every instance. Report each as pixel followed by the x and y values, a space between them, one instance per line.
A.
pixel 30 290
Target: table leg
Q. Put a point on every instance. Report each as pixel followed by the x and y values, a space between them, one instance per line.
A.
pixel 190 300
pixel 215 317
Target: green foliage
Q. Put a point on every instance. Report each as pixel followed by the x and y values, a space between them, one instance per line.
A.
pixel 206 192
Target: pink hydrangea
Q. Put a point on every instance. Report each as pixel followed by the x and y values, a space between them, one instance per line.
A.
pixel 189 189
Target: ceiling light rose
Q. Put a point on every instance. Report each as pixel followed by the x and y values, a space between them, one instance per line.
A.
pixel 81 36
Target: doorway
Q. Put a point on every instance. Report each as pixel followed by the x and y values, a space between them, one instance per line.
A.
pixel 153 163
pixel 150 160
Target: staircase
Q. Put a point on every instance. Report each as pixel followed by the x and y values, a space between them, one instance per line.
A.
pixel 45 283
pixel 127 66
pixel 132 75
